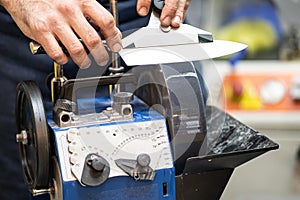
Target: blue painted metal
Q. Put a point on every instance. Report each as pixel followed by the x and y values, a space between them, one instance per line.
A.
pixel 163 187
pixel 125 188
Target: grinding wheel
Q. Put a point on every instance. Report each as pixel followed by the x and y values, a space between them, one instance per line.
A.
pixel 174 91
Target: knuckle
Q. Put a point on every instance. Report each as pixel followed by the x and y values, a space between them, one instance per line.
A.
pixel 76 49
pixel 40 27
pixel 57 55
pixel 93 41
pixel 86 3
pixel 180 13
pixel 171 6
pixel 184 5
pixel 109 22
pixel 53 21
pixel 45 23
pixel 67 8
pixel 114 37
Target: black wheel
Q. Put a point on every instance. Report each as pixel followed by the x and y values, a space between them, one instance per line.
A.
pixel 174 91
pixel 32 136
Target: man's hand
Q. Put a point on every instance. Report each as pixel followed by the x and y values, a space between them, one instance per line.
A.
pixel 172 14
pixel 49 22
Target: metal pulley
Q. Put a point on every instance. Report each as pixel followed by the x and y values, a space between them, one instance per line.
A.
pixel 32 136
pixel 56 193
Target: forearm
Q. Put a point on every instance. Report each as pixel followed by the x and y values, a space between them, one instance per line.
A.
pixel 8 4
pixel 5 3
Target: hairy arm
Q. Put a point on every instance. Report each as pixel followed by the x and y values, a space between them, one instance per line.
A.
pixel 49 22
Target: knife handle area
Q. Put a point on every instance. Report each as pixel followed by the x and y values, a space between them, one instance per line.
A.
pixel 157 5
pixel 36 48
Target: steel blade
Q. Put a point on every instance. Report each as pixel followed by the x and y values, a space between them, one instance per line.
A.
pixel 179 53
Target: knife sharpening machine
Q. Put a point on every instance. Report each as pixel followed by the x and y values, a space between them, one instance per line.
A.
pixel 144 140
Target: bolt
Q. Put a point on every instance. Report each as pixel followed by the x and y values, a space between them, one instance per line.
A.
pixel 37 192
pixel 22 137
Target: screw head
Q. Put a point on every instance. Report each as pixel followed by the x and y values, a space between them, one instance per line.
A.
pixel 143 160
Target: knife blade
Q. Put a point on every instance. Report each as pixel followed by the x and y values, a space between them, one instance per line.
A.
pixel 155 44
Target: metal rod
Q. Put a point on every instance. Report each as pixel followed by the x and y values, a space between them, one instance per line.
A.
pixel 114 12
pixel 57 82
pixel 115 56
pixel 37 192
pixel 58 70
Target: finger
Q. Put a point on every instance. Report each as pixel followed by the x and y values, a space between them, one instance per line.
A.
pixel 52 48
pixel 187 4
pixel 143 7
pixel 75 48
pixel 93 24
pixel 107 24
pixel 179 15
pixel 113 40
pixel 168 12
pixel 90 38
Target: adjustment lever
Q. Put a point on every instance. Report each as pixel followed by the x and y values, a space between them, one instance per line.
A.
pixel 138 169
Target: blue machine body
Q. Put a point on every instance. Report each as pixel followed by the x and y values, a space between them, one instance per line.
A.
pixel 120 187
pixel 125 188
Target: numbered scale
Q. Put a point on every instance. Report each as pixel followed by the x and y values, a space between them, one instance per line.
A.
pixel 117 154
